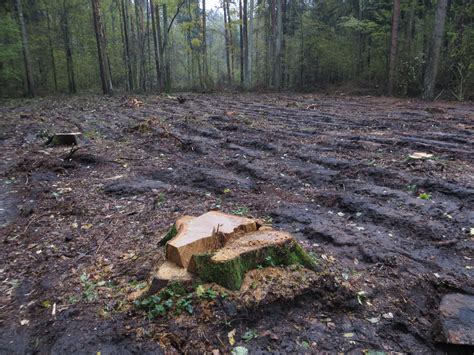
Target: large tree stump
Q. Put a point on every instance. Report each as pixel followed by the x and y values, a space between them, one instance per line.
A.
pixel 221 248
pixel 207 232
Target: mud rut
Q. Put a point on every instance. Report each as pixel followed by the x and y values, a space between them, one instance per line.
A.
pixel 332 170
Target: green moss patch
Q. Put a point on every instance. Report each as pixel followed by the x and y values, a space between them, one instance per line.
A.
pixel 230 273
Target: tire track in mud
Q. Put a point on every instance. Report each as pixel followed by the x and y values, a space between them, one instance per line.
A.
pixel 333 171
pixel 289 148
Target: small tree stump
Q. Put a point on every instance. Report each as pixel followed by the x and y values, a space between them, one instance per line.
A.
pixel 73 138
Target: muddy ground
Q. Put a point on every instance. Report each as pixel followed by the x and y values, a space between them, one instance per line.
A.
pixel 334 171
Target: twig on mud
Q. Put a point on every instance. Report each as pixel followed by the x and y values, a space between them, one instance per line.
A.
pixel 446 243
pixel 73 150
pixel 169 134
pixel 141 158
pixel 437 97
pixel 33 219
pixel 102 243
pixel 367 342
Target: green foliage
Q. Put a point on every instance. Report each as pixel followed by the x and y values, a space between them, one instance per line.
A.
pixel 173 297
pixel 241 211
pixel 90 292
pixel 230 273
pixel 170 234
pixel 425 196
pixel 326 43
pixel 208 293
pixel 249 335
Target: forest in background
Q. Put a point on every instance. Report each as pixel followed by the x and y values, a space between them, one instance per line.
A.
pixel 421 48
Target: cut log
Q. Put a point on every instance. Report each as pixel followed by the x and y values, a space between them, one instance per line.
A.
pixel 73 138
pixel 227 266
pixel 205 233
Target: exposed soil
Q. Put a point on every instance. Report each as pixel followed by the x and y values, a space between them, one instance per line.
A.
pixel 334 171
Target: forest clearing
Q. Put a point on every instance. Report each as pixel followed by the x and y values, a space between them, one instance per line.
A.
pixel 236 176
pixel 81 226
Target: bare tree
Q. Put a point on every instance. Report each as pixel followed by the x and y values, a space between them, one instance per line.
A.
pixel 434 51
pixel 227 43
pixel 155 18
pixel 393 47
pixel 278 37
pixel 250 45
pixel 26 50
pixel 68 48
pixel 104 67
pixel 126 44
pixel 204 45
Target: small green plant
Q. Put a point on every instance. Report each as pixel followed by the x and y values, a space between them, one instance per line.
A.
pixel 170 234
pixel 241 211
pixel 159 200
pixel 89 293
pixel 185 305
pixel 152 305
pixel 269 261
pixel 172 297
pixel 314 257
pixel 304 344
pixel 249 335
pixel 425 196
pixel 412 188
pixel 208 294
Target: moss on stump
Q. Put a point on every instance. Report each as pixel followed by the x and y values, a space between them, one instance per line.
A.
pixel 227 266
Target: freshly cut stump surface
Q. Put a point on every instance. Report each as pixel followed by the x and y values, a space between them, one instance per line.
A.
pixel 205 233
pixel 251 242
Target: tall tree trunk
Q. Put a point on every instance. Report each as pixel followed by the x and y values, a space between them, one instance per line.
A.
pixel 154 19
pixel 231 40
pixel 160 44
pixel 68 50
pixel 394 47
pixel 278 43
pixel 245 43
pixel 250 45
pixel 166 49
pixel 227 43
pixel 101 51
pixel 434 51
pixel 128 62
pixel 51 49
pixel 241 42
pixel 204 45
pixel 140 55
pixel 26 51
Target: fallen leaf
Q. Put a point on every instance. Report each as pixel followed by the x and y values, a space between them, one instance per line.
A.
pixel 231 337
pixel 200 291
pixel 388 315
pixel 374 320
pixel 24 322
pixel 240 350
pixel 349 335
pixel 420 155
